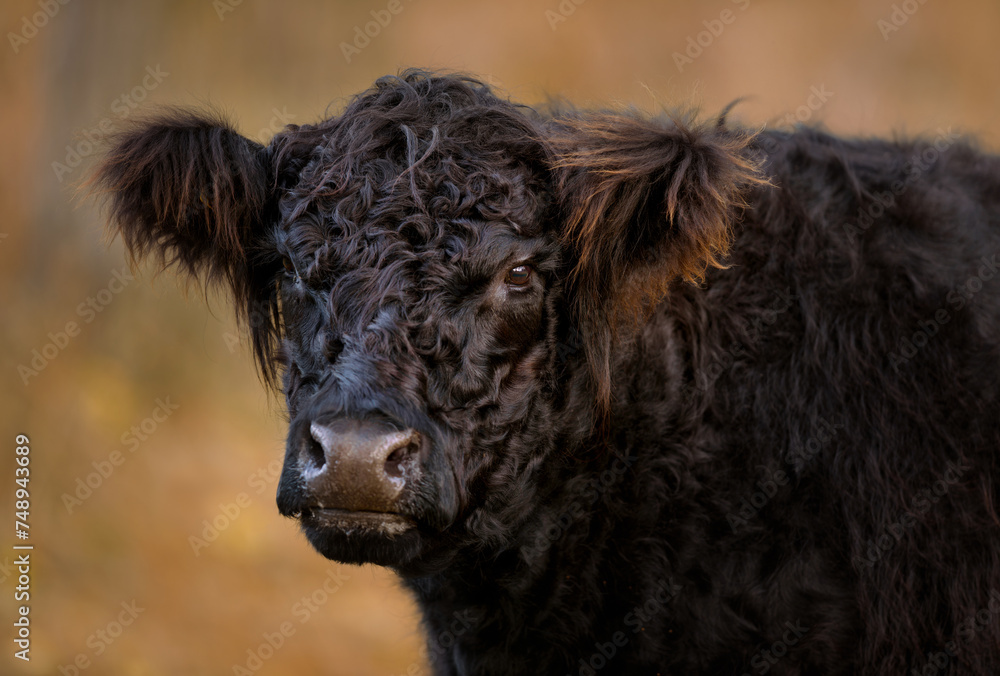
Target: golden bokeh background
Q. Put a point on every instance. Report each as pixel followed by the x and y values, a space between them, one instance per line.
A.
pixel 72 71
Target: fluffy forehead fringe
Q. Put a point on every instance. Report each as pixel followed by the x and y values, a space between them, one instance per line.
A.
pixel 446 147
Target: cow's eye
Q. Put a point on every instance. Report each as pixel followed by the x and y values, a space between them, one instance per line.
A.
pixel 519 276
pixel 289 266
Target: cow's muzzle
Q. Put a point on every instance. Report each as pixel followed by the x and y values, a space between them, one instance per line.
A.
pixel 358 466
pixel 354 475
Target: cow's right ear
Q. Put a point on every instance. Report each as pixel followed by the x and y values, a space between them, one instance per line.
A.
pixel 186 188
pixel 646 201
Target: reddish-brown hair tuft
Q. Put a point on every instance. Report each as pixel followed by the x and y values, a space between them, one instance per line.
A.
pixel 645 202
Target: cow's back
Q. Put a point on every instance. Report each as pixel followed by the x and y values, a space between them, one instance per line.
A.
pixel 828 404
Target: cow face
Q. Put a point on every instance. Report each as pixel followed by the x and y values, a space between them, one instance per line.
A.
pixel 414 269
pixel 419 279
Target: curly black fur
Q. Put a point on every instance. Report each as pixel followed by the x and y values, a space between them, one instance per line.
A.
pixel 787 468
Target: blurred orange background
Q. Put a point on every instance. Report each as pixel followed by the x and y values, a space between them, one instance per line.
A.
pixel 178 519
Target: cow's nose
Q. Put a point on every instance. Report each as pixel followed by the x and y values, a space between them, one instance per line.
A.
pixel 358 466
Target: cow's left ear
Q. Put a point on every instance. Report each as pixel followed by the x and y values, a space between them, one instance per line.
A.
pixel 186 188
pixel 645 202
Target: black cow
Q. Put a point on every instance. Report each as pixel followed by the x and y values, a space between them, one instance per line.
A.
pixel 501 387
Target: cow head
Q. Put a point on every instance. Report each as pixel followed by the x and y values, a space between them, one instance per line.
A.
pixel 439 277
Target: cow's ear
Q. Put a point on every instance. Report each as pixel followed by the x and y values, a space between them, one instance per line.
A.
pixel 186 188
pixel 645 202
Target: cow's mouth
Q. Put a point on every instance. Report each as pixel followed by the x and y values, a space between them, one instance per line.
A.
pixel 359 536
pixel 361 522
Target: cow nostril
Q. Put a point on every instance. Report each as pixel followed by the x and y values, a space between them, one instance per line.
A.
pixel 394 463
pixel 314 446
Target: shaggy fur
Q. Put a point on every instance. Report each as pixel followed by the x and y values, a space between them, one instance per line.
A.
pixel 788 467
